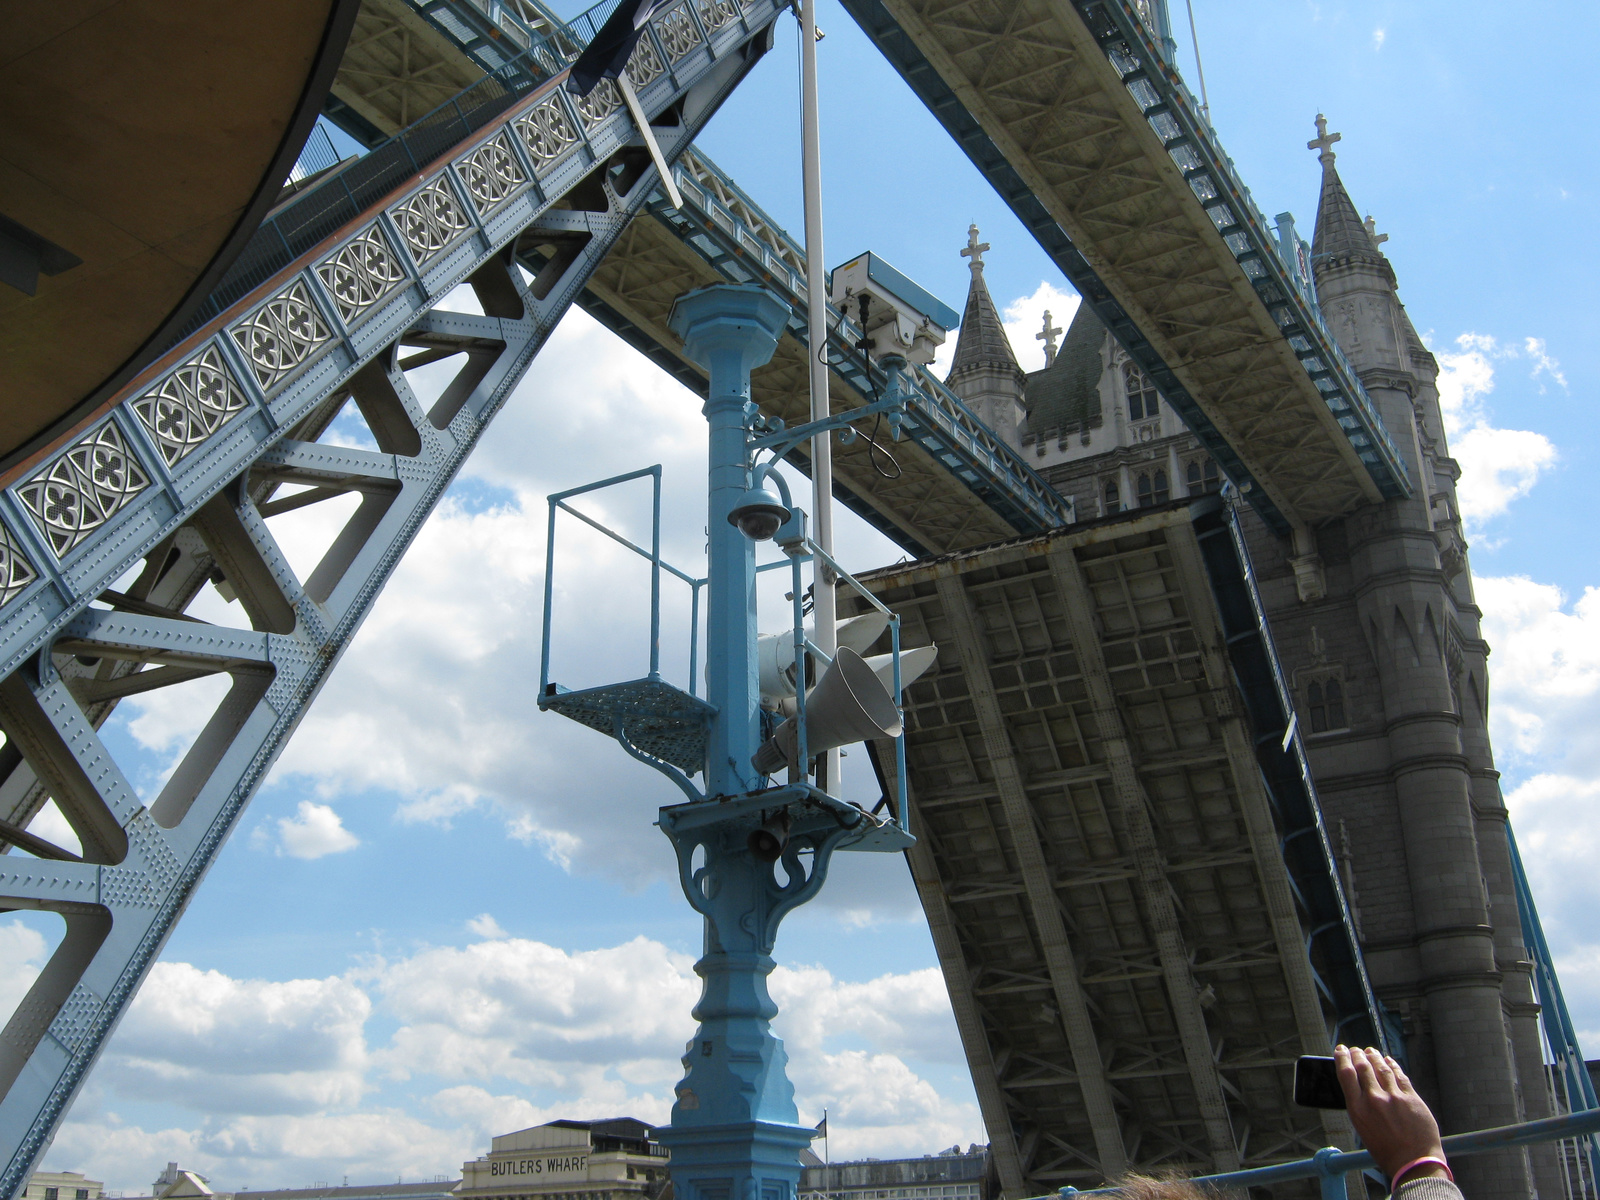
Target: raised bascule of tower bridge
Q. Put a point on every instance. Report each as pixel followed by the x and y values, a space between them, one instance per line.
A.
pixel 1201 780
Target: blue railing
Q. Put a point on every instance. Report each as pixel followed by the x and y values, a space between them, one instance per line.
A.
pixel 1330 1166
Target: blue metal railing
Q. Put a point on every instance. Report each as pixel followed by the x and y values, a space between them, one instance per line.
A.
pixel 935 417
pixel 1569 1066
pixel 1173 115
pixel 558 503
pixel 1330 1166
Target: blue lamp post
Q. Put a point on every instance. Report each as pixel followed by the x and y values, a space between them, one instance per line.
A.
pixel 748 850
pixel 735 1132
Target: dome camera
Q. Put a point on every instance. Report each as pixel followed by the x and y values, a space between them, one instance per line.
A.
pixel 759 514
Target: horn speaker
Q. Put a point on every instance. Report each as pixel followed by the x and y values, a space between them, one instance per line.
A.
pixel 849 704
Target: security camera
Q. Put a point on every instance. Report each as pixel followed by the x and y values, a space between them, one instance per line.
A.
pixel 759 514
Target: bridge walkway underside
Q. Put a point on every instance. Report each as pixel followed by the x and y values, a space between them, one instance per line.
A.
pixel 1100 861
pixel 1068 109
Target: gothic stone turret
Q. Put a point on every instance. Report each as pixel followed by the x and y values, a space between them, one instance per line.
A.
pixel 1388 669
pixel 984 372
pixel 1389 672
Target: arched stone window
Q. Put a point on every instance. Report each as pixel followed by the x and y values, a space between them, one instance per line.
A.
pixel 1146 498
pixel 1113 503
pixel 1192 476
pixel 1163 493
pixel 1141 393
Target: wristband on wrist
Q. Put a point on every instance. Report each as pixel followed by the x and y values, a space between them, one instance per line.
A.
pixel 1426 1161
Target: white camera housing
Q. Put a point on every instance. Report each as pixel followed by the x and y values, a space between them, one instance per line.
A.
pixel 903 318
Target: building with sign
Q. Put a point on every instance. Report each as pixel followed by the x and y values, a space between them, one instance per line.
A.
pixel 617 1159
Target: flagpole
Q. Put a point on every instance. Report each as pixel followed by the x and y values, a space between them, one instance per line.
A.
pixel 824 613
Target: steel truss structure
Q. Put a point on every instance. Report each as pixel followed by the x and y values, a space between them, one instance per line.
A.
pixel 108 540
pixel 1124 868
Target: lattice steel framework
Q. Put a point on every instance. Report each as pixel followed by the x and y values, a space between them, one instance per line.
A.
pixel 1133 964
pixel 177 483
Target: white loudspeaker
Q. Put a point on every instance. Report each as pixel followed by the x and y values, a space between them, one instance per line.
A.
pixel 858 633
pixel 775 656
pixel 849 704
pixel 912 664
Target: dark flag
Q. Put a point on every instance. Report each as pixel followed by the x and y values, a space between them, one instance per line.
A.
pixel 607 55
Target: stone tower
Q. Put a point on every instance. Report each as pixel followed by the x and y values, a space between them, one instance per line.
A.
pixel 1389 668
pixel 984 372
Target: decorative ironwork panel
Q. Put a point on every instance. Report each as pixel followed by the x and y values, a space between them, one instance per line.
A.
pixel 714 14
pixel 83 489
pixel 678 32
pixel 431 220
pixel 547 132
pixel 600 103
pixel 361 272
pixel 191 404
pixel 281 335
pixel 644 64
pixel 16 572
pixel 492 173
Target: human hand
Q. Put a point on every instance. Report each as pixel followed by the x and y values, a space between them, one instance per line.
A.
pixel 1394 1123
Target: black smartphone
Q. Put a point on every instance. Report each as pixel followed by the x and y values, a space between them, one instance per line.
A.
pixel 1316 1083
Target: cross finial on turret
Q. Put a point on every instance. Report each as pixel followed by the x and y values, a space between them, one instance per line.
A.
pixel 1323 142
pixel 1378 239
pixel 1048 336
pixel 974 250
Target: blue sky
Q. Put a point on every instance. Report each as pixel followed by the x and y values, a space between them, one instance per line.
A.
pixel 447 916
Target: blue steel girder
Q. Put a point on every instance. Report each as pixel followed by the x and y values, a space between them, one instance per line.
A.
pixel 936 419
pixel 1309 444
pixel 186 471
pixel 959 484
pixel 1332 944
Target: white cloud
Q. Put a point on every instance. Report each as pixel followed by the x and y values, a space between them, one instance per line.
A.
pixel 1545 672
pixel 23 951
pixel 1379 36
pixel 1498 466
pixel 314 831
pixel 486 927
pixel 1024 319
pixel 484 1038
pixel 1545 721
pixel 213 1043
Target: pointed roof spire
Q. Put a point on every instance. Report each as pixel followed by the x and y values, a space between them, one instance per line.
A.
pixel 1341 234
pixel 1048 336
pixel 974 250
pixel 1323 142
pixel 982 341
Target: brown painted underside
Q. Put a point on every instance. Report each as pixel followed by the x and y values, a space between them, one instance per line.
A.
pixel 139 135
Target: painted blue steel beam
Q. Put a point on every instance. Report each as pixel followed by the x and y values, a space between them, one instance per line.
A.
pixel 1562 1035
pixel 1173 114
pixel 184 473
pixel 1332 943
pixel 936 419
